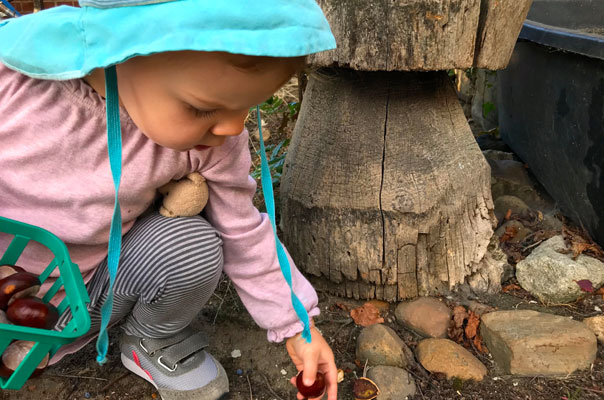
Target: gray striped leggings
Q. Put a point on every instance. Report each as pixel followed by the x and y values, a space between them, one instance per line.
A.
pixel 169 268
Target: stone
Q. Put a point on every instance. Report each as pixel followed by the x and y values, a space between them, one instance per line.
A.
pixel 394 383
pixel 507 202
pixel 488 142
pixel 490 154
pixel 380 345
pixel 550 223
pixel 596 324
pixel 510 177
pixel 552 276
pixel 530 343
pixel 427 316
pixel 520 231
pixel 447 357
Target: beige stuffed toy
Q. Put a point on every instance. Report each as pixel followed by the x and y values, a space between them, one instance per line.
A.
pixel 185 197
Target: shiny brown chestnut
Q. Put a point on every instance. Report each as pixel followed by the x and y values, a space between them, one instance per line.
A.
pixel 32 312
pixel 7 270
pixel 317 389
pixel 14 354
pixel 20 284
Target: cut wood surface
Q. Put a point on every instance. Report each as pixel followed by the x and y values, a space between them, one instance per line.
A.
pixel 385 193
pixel 421 35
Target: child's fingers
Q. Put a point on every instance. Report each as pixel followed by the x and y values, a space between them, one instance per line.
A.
pixel 331 377
pixel 311 363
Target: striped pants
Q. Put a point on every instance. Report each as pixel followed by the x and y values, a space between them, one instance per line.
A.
pixel 169 268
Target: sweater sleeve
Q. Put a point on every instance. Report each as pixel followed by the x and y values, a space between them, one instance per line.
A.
pixel 250 256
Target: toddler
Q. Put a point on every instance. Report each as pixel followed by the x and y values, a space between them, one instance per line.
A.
pixel 187 73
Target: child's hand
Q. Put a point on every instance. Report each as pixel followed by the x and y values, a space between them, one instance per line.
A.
pixel 312 357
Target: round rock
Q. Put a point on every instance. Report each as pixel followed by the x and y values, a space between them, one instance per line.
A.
pixel 394 383
pixel 380 345
pixel 447 357
pixel 596 324
pixel 427 316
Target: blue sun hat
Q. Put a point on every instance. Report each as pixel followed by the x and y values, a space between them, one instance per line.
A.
pixel 69 42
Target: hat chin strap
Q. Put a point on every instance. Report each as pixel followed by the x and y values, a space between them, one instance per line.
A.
pixel 114 146
pixel 267 193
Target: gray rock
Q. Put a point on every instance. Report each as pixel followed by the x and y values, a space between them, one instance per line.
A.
pixel 394 383
pixel 490 154
pixel 447 357
pixel 380 345
pixel 427 316
pixel 506 202
pixel 530 343
pixel 596 324
pixel 552 276
pixel 550 223
pixel 517 226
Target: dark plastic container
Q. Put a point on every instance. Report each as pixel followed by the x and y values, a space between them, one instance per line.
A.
pixel 551 105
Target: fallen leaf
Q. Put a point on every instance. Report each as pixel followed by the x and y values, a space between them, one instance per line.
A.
pixel 365 389
pixel 459 315
pixel 478 344
pixel 472 325
pixel 510 287
pixel 509 233
pixel 585 285
pixel 508 214
pixel 600 291
pixel 343 306
pixel 366 315
pixel 382 306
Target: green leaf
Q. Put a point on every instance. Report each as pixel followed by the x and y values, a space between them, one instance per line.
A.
pixel 487 107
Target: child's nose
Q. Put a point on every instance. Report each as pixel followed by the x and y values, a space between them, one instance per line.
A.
pixel 232 124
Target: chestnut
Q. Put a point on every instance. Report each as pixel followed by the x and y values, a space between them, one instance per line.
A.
pixel 17 285
pixel 7 270
pixel 32 312
pixel 14 354
pixel 317 389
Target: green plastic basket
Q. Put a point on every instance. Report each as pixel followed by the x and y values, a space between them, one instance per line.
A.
pixel 76 298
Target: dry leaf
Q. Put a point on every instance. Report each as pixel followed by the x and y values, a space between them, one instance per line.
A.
pixel 478 344
pixel 508 214
pixel 381 305
pixel 472 325
pixel 366 315
pixel 510 287
pixel 459 315
pixel 585 285
pixel 509 233
pixel 365 389
pixel 455 331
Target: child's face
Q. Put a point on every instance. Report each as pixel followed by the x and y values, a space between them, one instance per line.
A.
pixel 190 100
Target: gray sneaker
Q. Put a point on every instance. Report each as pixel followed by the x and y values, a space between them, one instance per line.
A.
pixel 177 366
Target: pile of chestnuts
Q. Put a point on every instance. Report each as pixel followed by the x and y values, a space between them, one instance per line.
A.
pixel 19 306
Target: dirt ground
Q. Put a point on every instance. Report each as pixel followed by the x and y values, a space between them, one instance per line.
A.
pixel 263 370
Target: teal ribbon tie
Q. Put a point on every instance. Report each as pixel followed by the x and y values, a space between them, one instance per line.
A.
pixel 267 192
pixel 114 145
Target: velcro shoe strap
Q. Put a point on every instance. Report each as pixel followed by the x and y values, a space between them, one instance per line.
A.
pixel 184 349
pixel 154 345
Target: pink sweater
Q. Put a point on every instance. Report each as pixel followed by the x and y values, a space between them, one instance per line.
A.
pixel 56 175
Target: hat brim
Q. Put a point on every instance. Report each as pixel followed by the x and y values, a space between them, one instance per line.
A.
pixel 69 42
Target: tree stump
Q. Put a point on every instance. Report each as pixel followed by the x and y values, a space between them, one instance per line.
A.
pixel 389 216
pixel 385 193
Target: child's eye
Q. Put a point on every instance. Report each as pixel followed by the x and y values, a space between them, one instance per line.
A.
pixel 201 113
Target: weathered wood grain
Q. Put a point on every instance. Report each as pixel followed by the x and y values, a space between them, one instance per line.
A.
pixel 385 193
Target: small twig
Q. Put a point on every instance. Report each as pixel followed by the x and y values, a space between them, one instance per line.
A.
pixel 533 245
pixel 77 377
pixel 222 301
pixel 270 389
pixel 589 390
pixel 119 378
pixel 348 322
pixel 365 368
pixel 250 386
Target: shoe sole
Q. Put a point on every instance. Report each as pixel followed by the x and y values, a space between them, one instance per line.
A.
pixel 138 371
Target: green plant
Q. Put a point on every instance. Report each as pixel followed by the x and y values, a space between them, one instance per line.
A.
pixel 487 107
pixel 275 157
